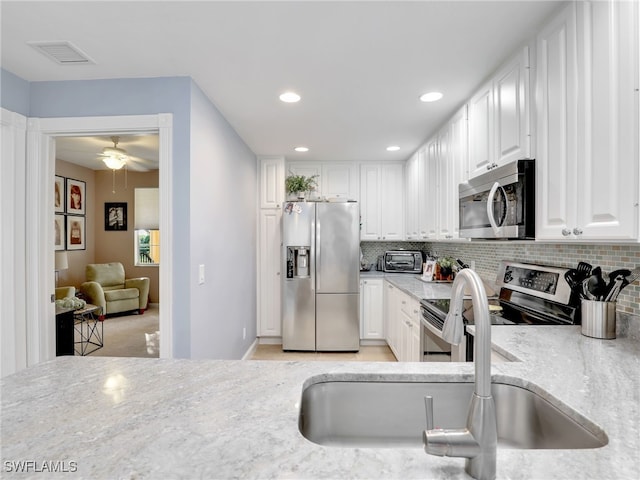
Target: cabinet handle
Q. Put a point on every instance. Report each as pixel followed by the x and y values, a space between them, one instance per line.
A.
pixel 577 231
pixel 365 282
pixel 278 273
pixel 403 302
pixel 566 232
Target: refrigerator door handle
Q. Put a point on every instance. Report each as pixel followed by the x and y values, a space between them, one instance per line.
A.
pixel 312 255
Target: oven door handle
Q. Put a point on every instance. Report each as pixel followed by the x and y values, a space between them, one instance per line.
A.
pixel 496 226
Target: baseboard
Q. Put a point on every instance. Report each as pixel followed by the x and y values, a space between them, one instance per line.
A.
pixel 372 342
pixel 157 305
pixel 252 348
pixel 270 340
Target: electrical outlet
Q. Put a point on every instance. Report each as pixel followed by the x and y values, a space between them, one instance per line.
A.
pixel 244 333
pixel 201 274
pixel 472 265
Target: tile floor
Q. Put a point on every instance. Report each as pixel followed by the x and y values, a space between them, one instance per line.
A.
pixel 366 354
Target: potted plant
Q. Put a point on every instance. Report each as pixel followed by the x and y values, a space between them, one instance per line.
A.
pixel 300 185
pixel 446 267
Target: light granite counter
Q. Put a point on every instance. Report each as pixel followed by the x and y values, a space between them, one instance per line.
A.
pixel 410 283
pixel 126 418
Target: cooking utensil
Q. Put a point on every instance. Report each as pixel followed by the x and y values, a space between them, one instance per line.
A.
pixel 615 290
pixel 632 277
pixel 574 280
pixel 586 292
pixel 584 269
pixel 596 285
pixel 613 281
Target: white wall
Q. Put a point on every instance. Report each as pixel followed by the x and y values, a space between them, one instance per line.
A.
pixel 222 215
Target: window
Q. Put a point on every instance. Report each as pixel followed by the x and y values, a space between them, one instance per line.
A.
pixel 147 247
pixel 147 234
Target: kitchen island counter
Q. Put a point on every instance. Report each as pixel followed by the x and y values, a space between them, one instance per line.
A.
pixel 161 418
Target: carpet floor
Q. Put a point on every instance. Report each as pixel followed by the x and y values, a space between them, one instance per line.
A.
pixel 131 335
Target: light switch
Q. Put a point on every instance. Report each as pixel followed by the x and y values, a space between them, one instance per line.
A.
pixel 201 274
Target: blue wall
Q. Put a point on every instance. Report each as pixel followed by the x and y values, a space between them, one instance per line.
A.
pixel 140 96
pixel 14 93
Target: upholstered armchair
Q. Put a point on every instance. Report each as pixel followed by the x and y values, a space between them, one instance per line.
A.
pixel 65 292
pixel 107 287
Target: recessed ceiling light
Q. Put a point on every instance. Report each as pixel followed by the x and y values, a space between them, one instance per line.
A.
pixel 301 149
pixel 290 97
pixel 431 97
pixel 393 148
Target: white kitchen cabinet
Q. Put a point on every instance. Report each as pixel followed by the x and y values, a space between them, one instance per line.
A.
pixel 412 201
pixel 499 126
pixel 431 200
pixel 340 180
pixel 269 286
pixel 512 109
pixel 402 324
pixel 587 151
pixel 372 309
pixel 409 326
pixel 391 318
pixel 480 130
pixel 457 165
pixel 335 180
pixel 271 182
pixel 381 201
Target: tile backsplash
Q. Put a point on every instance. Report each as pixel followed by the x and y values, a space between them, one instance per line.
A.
pixel 487 256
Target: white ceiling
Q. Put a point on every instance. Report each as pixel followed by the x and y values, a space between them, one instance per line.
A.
pixel 142 151
pixel 359 66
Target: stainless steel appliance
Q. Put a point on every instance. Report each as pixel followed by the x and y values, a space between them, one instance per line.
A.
pixel 403 261
pixel 321 255
pixel 529 295
pixel 500 203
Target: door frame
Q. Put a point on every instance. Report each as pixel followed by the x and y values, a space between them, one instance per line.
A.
pixel 40 171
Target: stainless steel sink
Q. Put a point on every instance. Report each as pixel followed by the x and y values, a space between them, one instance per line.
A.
pixel 392 414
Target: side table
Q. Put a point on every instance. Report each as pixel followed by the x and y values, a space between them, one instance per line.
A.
pixel 89 329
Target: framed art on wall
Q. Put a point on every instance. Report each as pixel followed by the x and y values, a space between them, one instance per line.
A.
pixel 75 233
pixel 59 230
pixel 75 195
pixel 115 216
pixel 58 195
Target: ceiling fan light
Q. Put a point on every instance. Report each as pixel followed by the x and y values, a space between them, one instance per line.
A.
pixel 114 163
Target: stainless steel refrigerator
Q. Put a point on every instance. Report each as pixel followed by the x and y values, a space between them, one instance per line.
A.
pixel 321 257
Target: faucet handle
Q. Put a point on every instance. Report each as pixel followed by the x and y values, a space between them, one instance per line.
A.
pixel 428 406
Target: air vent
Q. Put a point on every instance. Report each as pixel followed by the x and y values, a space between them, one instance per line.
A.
pixel 63 53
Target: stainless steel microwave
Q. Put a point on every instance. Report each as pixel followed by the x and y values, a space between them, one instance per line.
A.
pixel 500 203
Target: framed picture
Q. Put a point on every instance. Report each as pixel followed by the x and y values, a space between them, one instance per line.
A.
pixel 429 270
pixel 115 216
pixel 75 233
pixel 58 194
pixel 59 230
pixel 75 196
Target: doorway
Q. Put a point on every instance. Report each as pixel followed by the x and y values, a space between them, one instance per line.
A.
pixel 108 187
pixel 41 139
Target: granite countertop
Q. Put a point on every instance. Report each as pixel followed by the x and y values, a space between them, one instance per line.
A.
pixel 159 418
pixel 412 284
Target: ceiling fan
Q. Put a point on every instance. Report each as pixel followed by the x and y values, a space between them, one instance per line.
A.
pixel 113 157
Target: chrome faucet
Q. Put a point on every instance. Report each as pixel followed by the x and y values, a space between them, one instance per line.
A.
pixel 478 442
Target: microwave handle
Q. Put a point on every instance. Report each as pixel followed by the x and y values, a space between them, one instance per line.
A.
pixel 497 229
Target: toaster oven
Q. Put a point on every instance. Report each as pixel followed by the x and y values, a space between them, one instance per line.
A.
pixel 403 261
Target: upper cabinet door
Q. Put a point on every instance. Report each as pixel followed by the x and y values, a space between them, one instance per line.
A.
pixel 481 131
pixel 556 111
pixel 499 125
pixel 271 182
pixel 511 97
pixel 340 180
pixel 608 115
pixel 370 202
pixel 392 201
